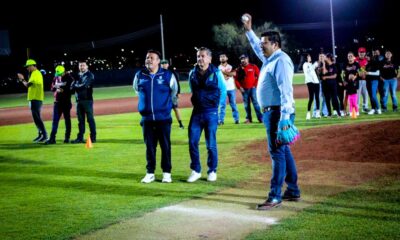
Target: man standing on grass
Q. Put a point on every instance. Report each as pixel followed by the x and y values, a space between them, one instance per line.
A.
pixel 207 85
pixel 275 95
pixel 156 88
pixel 226 70
pixel 83 88
pixel 35 97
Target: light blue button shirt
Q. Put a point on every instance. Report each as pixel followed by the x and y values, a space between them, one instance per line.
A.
pixel 275 83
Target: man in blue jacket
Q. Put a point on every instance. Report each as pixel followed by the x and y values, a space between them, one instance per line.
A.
pixel 208 89
pixel 156 88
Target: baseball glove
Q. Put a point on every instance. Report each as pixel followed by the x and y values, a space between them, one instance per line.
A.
pixel 287 133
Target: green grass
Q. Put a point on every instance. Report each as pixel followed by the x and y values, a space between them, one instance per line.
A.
pixel 370 211
pixel 298 79
pixel 18 100
pixel 60 191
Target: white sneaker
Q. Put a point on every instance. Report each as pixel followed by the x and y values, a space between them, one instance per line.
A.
pixel 342 113
pixel 212 177
pixel 308 116
pixel 194 176
pixel 148 178
pixel 166 178
pixel 358 113
pixel 317 114
pixel 379 111
pixel 334 113
pixel 371 112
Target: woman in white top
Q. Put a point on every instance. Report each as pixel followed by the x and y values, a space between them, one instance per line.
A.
pixel 312 82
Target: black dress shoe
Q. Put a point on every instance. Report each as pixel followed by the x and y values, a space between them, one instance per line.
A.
pixel 268 204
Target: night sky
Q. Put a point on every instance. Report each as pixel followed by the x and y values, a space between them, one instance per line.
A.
pixel 79 22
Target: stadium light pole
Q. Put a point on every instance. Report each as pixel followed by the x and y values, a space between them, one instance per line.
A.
pixel 333 31
pixel 162 36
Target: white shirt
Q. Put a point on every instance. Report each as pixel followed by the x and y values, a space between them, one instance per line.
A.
pixel 229 81
pixel 309 73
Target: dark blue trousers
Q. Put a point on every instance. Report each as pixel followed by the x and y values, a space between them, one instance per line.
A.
pixel 155 132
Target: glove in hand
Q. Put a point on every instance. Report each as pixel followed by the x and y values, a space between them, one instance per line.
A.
pixel 287 133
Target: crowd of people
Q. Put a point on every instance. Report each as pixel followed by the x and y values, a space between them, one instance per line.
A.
pixel 269 90
pixel 362 77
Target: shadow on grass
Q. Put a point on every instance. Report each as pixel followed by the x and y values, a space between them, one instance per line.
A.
pixel 120 141
pixel 12 145
pixel 21 168
pixel 13 160
pixel 377 214
pixel 126 189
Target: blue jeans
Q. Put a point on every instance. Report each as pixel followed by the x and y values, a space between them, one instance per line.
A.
pixel 207 120
pixel 250 95
pixel 157 132
pixel 85 108
pixel 232 101
pixel 324 109
pixel 390 86
pixel 283 164
pixel 36 107
pixel 372 87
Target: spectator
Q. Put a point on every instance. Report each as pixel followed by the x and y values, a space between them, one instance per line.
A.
pixel 226 70
pixel 83 88
pixel 246 82
pixel 207 85
pixel 35 97
pixel 165 65
pixel 61 86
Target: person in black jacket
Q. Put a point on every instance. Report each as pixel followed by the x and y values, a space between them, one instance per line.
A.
pixel 83 88
pixel 61 86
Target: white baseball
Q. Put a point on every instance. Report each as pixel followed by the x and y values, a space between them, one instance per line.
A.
pixel 245 18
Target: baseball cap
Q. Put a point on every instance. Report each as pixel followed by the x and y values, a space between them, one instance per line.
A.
pixel 362 49
pixel 60 70
pixel 243 56
pixel 30 62
pixel 164 61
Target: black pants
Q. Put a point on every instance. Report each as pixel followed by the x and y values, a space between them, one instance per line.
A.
pixel 330 92
pixel 313 91
pixel 36 107
pixel 154 132
pixel 61 109
pixel 85 108
pixel 340 94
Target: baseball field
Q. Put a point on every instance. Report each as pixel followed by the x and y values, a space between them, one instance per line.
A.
pixel 348 173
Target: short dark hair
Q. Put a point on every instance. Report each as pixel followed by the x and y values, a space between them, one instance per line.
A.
pixel 155 52
pixel 273 37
